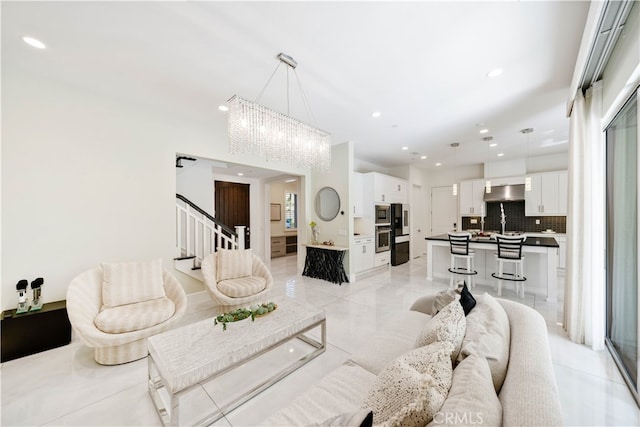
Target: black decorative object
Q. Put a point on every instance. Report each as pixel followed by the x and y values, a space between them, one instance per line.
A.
pixel 325 264
pixel 34 331
pixel 466 299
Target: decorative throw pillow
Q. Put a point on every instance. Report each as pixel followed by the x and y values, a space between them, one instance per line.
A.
pixel 412 388
pixel 488 334
pixel 233 263
pixel 360 418
pixel 442 299
pixel 472 399
pixel 466 299
pixel 448 325
pixel 131 282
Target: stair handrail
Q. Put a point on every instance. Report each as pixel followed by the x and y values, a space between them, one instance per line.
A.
pixel 206 215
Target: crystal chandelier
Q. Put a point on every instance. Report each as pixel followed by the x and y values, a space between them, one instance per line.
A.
pixel 254 128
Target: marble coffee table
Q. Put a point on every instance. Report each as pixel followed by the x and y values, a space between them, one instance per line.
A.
pixel 183 358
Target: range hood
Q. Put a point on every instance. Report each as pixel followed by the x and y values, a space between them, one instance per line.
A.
pixel 505 193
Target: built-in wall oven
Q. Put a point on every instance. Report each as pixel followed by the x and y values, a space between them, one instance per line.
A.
pixel 383 238
pixel 383 215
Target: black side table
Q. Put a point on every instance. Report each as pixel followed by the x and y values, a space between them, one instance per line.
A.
pixel 325 263
pixel 34 331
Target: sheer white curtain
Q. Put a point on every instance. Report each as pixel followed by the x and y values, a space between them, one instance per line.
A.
pixel 584 295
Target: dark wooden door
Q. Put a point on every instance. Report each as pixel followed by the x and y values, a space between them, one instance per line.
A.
pixel 232 206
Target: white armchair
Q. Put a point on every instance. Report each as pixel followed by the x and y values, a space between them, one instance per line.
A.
pixel 245 278
pixel 119 333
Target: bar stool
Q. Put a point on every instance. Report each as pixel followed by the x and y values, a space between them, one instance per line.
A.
pixel 510 251
pixel 459 243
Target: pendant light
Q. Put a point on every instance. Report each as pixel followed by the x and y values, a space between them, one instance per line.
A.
pixel 487 183
pixel 455 165
pixel 527 179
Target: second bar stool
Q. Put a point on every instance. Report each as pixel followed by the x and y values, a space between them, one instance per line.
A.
pixel 459 244
pixel 510 251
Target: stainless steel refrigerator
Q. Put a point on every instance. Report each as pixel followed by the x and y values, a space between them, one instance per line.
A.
pixel 399 233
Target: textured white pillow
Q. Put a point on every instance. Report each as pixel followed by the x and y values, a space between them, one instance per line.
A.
pixel 488 333
pixel 131 282
pixel 412 388
pixel 443 299
pixel 472 399
pixel 448 325
pixel 233 263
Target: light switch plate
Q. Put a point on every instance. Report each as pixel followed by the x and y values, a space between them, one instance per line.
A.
pixel 537 222
pixel 474 221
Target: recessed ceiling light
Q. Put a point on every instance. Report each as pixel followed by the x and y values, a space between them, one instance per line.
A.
pixel 493 145
pixel 438 164
pixel 484 130
pixel 223 108
pixel 290 180
pixel 376 114
pixel 423 157
pixel 405 148
pixel 494 73
pixel 34 42
pixel 500 154
pixel 240 174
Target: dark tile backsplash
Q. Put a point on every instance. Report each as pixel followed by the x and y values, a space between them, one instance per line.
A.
pixel 516 221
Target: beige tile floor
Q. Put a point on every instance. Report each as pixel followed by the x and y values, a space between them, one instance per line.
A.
pixel 65 386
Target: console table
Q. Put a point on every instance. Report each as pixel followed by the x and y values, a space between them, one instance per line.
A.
pixel 325 263
pixel 34 331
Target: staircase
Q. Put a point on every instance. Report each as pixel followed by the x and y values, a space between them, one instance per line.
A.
pixel 198 234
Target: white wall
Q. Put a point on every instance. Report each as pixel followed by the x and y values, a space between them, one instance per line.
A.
pixel 195 182
pixel 340 228
pixel 337 177
pixel 87 178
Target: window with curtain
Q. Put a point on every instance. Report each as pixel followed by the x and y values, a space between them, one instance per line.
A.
pixel 622 241
pixel 290 211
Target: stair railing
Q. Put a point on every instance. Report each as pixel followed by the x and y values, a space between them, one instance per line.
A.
pixel 199 234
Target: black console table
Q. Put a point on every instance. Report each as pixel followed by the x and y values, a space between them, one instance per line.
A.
pixel 325 263
pixel 34 331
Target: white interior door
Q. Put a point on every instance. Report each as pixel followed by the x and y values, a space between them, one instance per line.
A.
pixel 444 210
pixel 418 246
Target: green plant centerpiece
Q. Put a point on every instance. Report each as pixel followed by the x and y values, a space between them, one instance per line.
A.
pixel 244 313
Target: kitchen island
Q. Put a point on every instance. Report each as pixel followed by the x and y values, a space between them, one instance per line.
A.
pixel 539 265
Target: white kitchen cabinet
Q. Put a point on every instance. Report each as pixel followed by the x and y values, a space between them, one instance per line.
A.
pixel 397 189
pixel 563 193
pixel 387 189
pixel 546 191
pixel 358 192
pixel 471 197
pixel 561 260
pixel 382 258
pixel 562 251
pixel 363 254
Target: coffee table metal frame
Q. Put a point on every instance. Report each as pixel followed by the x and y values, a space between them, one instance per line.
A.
pixel 170 416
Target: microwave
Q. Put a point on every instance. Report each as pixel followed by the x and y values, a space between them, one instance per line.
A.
pixel 383 214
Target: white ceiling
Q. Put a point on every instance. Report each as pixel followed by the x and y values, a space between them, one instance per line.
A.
pixel 423 65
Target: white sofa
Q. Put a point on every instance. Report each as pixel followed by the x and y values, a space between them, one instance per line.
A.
pixel 527 397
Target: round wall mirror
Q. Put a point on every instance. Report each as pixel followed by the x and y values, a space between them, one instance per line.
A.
pixel 327 203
